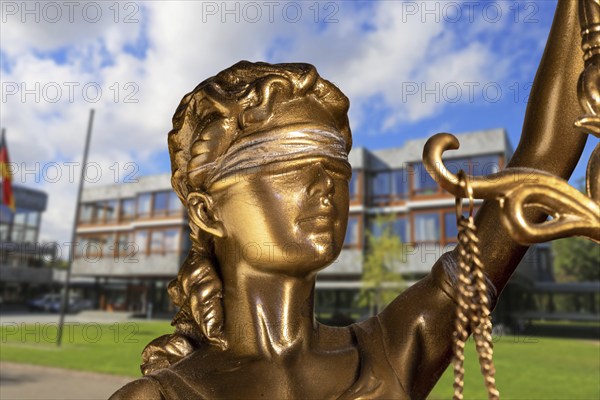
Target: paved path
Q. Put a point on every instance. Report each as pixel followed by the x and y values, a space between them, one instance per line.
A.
pixel 82 317
pixel 29 382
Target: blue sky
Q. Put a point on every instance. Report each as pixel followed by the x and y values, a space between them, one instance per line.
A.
pixel 391 58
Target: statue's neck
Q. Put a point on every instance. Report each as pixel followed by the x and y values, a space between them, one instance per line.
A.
pixel 267 315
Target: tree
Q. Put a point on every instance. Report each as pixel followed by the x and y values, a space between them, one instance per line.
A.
pixel 381 279
pixel 576 259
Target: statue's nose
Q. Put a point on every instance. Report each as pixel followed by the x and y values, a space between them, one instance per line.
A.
pixel 321 181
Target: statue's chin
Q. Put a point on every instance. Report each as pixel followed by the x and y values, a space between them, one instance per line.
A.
pixel 328 255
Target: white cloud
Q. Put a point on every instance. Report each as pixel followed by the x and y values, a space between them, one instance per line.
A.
pixel 370 52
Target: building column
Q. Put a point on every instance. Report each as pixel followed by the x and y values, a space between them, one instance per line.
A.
pixel 150 298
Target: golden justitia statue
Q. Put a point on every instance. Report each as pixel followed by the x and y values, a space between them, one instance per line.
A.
pixel 259 155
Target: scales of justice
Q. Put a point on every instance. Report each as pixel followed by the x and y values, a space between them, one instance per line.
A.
pixel 259 153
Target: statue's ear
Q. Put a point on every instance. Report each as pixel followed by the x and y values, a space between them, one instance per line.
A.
pixel 201 213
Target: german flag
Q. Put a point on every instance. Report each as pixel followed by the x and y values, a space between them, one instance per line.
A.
pixel 8 197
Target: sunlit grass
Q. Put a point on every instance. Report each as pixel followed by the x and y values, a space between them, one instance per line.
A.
pixel 532 368
pixel 110 348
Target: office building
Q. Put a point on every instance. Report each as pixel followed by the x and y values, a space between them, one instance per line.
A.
pixel 24 260
pixel 133 237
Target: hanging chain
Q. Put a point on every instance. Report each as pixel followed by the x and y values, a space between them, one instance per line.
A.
pixel 473 312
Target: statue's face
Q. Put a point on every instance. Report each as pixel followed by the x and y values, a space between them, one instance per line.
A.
pixel 285 218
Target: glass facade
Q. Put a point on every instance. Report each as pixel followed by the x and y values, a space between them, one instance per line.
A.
pixel 159 207
pixel 451 230
pixel 388 185
pixel 175 206
pixel 125 244
pixel 352 232
pixel 141 241
pixel 400 183
pixel 144 202
pixel 145 205
pixel 21 226
pixel 400 227
pixel 423 183
pixel 353 187
pixel 484 165
pixel 111 211
pixel 25 261
pixel 381 184
pixel 127 211
pixel 164 240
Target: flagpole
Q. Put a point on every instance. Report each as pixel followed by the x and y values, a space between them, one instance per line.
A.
pixel 65 297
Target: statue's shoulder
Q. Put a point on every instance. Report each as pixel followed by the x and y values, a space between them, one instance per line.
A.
pixel 182 380
pixel 189 378
pixel 143 389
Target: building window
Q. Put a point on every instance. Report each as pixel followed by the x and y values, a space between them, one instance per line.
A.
pixel 166 203
pixel 18 233
pixel 352 233
pixel 388 185
pixel 143 204
pixel 158 204
pixel 125 245
pixel 400 228
pixel 175 205
pixel 353 186
pixel 111 211
pixel 99 212
pixel 141 241
pixel 32 219
pixel 423 183
pixel 25 226
pixel 30 235
pixel 127 211
pixel 475 166
pixel 20 218
pixel 6 214
pixel 4 232
pixel 484 165
pixel 427 227
pixel 399 183
pixel 98 216
pixel 171 237
pixel 164 240
pixel 159 207
pixel 456 164
pixel 451 230
pixel 94 246
pixel 85 213
pixel 381 185
pixel 6 217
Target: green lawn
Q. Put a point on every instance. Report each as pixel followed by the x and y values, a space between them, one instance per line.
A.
pixel 531 368
pixel 527 367
pixel 111 348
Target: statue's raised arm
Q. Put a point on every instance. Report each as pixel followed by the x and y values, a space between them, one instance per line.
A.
pixel 420 322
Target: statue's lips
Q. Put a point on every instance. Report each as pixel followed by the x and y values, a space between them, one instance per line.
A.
pixel 317 218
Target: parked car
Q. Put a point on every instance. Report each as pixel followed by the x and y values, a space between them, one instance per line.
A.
pixel 53 302
pixel 44 302
pixel 76 304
